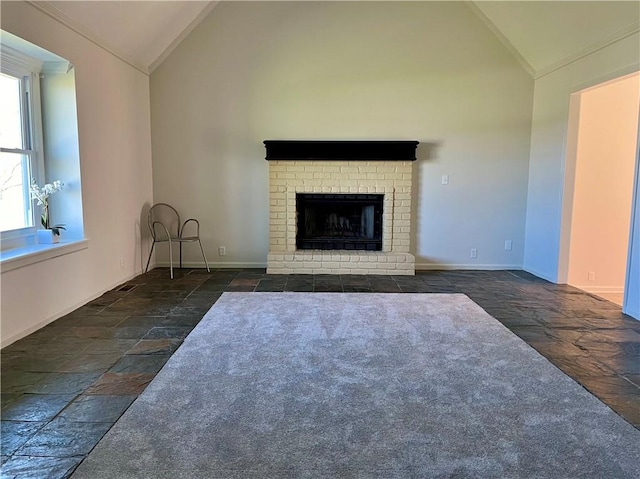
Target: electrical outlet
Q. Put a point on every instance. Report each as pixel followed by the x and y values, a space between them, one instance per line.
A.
pixel 592 275
pixel 474 253
pixel 222 250
pixel 508 245
pixel 445 179
pixel 121 263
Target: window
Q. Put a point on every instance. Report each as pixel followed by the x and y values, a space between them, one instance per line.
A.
pixel 39 140
pixel 19 158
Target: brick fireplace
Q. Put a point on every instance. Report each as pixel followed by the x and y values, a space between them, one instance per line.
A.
pixel 349 171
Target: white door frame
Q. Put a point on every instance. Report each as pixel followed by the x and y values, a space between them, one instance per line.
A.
pixel 569 173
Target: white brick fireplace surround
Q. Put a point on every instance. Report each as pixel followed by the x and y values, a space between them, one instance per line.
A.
pixel 373 167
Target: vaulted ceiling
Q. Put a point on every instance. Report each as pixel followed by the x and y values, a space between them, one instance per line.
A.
pixel 142 33
pixel 549 34
pixel 542 35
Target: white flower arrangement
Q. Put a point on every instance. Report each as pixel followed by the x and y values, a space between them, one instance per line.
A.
pixel 42 195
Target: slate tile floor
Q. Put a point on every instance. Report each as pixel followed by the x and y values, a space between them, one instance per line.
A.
pixel 65 385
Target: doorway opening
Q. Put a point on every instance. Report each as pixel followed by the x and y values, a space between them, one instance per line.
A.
pixel 602 141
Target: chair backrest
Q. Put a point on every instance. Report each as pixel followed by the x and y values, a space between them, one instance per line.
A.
pixel 163 214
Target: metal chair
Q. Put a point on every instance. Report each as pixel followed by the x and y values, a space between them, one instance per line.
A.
pixel 165 226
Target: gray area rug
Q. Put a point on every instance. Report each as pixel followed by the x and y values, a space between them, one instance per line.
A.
pixel 336 385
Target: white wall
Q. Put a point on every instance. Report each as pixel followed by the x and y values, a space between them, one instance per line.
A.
pixel 115 163
pixel 602 197
pixel 547 228
pixel 429 71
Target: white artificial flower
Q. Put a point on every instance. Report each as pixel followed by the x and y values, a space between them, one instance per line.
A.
pixel 42 196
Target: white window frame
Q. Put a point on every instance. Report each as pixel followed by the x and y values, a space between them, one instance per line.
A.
pixel 18 65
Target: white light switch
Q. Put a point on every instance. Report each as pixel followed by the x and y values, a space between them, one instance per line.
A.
pixel 445 179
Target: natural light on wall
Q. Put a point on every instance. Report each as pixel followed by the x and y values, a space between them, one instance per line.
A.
pixel 38 142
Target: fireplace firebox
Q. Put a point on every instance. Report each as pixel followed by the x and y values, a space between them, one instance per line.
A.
pixel 339 221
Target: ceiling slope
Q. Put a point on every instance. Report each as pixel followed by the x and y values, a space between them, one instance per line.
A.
pixel 142 33
pixel 548 35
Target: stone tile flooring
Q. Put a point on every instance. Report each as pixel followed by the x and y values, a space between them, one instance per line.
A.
pixel 65 385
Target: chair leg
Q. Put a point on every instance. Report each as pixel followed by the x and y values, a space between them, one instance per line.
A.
pixel 171 258
pixel 204 257
pixel 180 254
pixel 149 260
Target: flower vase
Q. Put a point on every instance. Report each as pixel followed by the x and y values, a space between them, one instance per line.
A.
pixel 47 237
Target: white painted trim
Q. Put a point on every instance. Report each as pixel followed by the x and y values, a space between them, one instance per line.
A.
pixel 61 17
pixel 501 38
pixel 473 266
pixel 184 34
pixel 15 60
pixel 600 289
pixel 14 57
pixel 218 264
pixel 56 67
pixel 610 39
pixel 28 255
pixel 419 266
pixel 6 341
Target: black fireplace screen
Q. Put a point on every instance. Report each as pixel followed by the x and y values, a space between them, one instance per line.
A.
pixel 338 221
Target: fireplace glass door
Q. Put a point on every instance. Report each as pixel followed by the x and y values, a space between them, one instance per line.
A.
pixel 338 221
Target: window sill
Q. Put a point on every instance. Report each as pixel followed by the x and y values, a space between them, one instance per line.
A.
pixel 24 256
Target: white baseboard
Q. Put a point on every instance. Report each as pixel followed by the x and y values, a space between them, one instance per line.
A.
pixel 600 289
pixel 6 341
pixel 419 266
pixel 473 266
pixel 200 264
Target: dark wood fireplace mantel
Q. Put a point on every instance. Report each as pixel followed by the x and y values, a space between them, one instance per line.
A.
pixel 334 150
